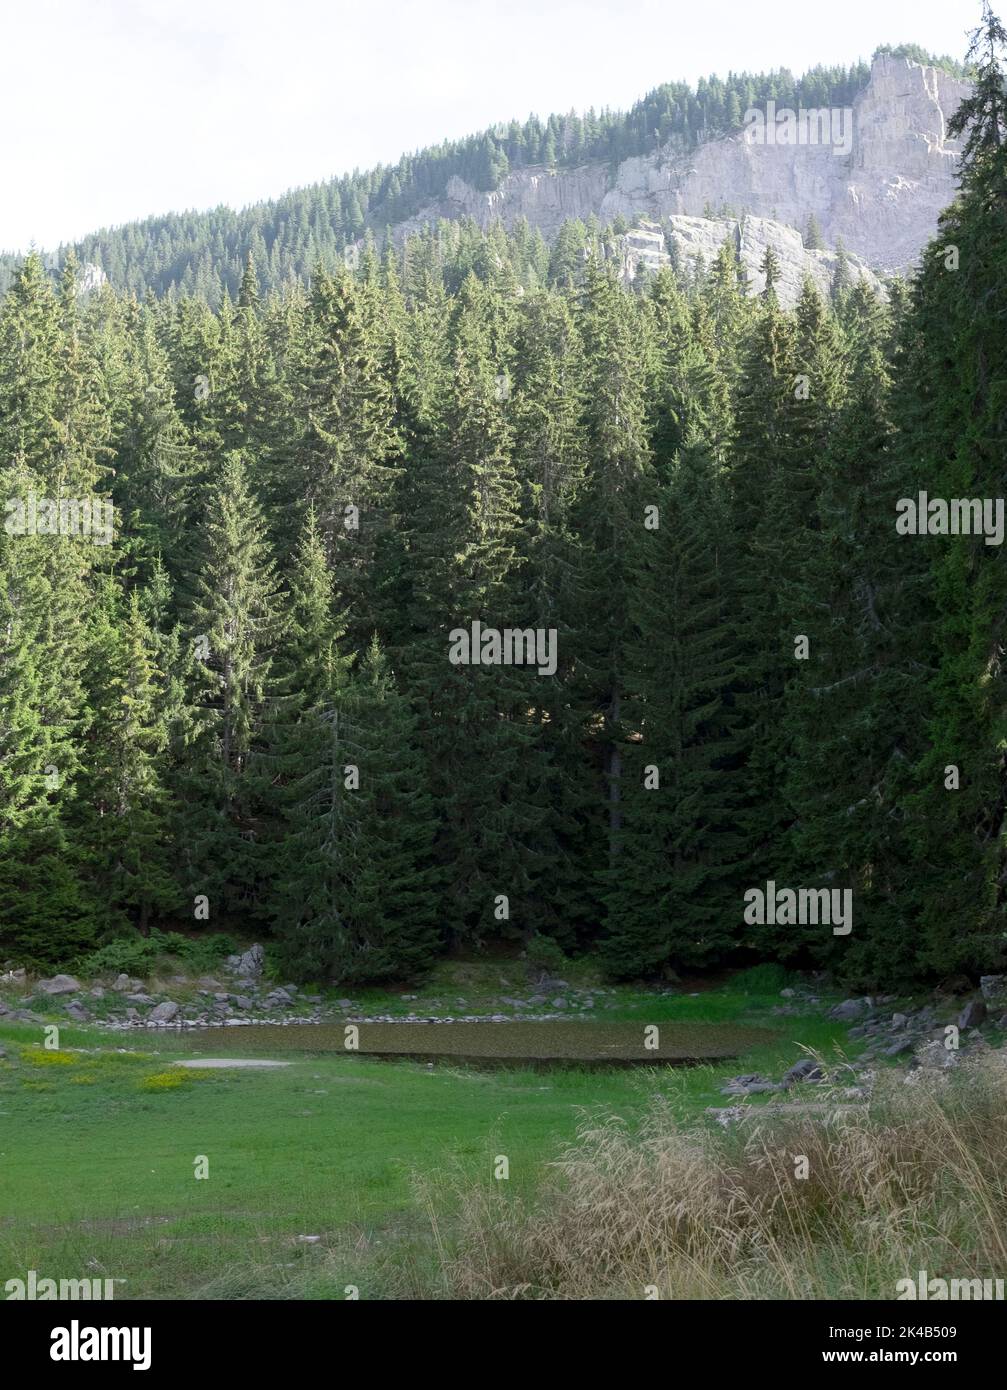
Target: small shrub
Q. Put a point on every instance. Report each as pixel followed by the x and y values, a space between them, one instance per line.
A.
pixel 42 1057
pixel 544 956
pixel 164 1081
pixel 129 956
pixel 139 955
pixel 768 978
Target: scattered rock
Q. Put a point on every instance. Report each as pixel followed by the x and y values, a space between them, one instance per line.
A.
pixel 751 1084
pixel 805 1070
pixel 163 1013
pixel 726 1115
pixel 849 1008
pixel 249 965
pixel 559 1002
pixel 973 1014
pixel 994 990
pixel 895 1049
pixel 59 984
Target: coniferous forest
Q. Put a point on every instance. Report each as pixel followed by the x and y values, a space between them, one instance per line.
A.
pixel 234 708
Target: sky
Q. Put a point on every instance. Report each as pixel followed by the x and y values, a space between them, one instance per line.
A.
pixel 113 110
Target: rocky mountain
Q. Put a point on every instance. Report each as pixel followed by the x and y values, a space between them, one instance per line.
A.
pixel 878 189
pixel 698 239
pixel 685 167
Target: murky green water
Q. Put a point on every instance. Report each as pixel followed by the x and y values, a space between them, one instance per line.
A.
pixel 519 1042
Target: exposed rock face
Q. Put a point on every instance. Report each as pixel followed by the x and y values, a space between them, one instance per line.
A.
pixel 703 237
pixel 249 964
pixel 881 196
pixel 91 278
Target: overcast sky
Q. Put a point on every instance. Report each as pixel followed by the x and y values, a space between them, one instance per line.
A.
pixel 115 109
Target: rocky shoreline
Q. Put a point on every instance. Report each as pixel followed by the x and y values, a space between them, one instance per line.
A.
pixel 245 1000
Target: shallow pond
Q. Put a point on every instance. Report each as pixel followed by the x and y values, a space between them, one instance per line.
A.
pixel 604 1044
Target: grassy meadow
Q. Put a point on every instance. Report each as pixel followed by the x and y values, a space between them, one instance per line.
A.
pixel 99 1144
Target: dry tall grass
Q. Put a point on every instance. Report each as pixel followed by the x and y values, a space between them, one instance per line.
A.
pixel 914 1179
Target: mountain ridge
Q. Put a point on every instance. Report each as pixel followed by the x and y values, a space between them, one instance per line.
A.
pixel 658 160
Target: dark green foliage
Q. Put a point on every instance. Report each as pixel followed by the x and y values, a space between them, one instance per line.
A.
pixel 241 700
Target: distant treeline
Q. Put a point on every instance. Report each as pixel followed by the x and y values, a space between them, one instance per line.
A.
pixel 204 253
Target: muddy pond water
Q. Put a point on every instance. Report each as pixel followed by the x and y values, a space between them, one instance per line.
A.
pixel 517 1043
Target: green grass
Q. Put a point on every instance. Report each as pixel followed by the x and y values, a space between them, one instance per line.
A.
pixel 97 1155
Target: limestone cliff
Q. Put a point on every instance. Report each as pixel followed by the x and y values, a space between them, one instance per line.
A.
pixel 880 196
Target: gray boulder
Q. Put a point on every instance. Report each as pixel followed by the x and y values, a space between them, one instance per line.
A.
pixel 164 1013
pixel 751 1084
pixel 59 984
pixel 849 1009
pixel 804 1070
pixel 973 1014
pixel 994 990
pixel 250 963
pixel 77 1012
